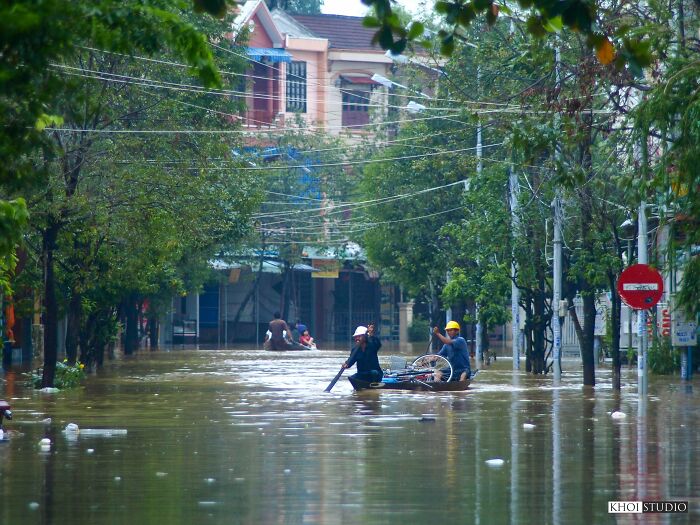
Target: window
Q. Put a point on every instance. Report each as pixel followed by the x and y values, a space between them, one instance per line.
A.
pixel 296 87
pixel 356 107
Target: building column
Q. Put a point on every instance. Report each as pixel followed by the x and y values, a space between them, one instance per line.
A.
pixel 405 320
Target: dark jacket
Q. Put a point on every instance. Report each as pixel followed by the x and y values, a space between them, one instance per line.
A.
pixel 367 360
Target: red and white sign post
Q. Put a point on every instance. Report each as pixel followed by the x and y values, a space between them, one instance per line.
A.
pixel 640 286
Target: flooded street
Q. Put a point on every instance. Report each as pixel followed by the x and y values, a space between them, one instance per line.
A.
pixel 247 436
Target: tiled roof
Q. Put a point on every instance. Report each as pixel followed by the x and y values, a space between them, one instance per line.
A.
pixel 342 32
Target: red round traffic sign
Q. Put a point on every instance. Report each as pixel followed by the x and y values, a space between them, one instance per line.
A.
pixel 640 286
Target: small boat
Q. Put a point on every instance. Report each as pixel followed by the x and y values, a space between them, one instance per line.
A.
pixel 293 347
pixel 390 383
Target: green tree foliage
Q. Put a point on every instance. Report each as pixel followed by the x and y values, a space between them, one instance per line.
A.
pixel 622 46
pixel 672 110
pixel 35 33
pixel 307 7
pixel 136 200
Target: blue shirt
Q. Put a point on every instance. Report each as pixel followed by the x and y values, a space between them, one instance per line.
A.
pixel 457 354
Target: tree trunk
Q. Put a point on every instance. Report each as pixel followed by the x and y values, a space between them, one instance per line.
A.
pixel 588 252
pixel 153 332
pixel 615 316
pixel 539 323
pixel 50 307
pixel 131 338
pixel 528 331
pixel 587 344
pixel 75 314
pixel 284 302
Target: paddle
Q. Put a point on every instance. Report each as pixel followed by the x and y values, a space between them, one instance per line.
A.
pixel 342 369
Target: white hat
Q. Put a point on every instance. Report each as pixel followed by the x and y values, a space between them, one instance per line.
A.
pixel 360 330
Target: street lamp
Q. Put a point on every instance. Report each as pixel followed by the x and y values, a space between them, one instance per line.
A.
pixel 380 79
pixel 415 107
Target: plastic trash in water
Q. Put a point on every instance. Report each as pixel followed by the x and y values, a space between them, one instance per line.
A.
pixel 103 432
pixel 495 462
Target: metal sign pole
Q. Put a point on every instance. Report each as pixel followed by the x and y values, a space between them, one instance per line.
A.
pixel 642 257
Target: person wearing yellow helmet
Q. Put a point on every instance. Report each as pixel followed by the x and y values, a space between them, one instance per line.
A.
pixel 455 350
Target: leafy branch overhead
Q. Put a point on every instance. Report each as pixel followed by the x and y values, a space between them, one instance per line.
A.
pixel 543 17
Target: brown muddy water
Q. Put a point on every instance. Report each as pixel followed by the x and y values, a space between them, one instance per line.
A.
pixel 245 436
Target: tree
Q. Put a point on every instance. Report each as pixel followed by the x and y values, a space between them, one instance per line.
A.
pixel 115 239
pixel 623 47
pixel 307 7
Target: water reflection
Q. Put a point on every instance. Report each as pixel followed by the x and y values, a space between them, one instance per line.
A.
pixel 246 436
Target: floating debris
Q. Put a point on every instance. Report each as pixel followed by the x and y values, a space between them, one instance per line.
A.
pixel 528 426
pixel 33 505
pixel 49 390
pixel 71 427
pixel 45 442
pixel 618 415
pixel 161 474
pixel 103 432
pixel 495 462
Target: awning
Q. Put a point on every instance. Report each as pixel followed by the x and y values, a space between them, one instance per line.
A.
pixel 358 80
pixel 272 54
pixel 268 266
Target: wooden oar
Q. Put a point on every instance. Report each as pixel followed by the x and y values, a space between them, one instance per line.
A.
pixel 342 369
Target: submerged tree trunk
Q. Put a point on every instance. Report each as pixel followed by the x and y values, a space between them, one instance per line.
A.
pixel 153 332
pixel 131 338
pixel 615 316
pixel 588 252
pixel 75 316
pixel 528 331
pixel 50 306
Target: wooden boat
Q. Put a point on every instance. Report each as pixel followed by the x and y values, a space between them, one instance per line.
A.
pixel 411 384
pixel 294 347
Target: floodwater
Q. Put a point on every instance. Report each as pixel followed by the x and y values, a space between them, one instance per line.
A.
pixel 246 436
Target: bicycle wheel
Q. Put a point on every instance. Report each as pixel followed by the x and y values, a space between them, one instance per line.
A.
pixel 436 365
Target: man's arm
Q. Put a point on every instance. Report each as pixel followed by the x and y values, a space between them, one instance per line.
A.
pixel 352 359
pixel 444 339
pixel 373 338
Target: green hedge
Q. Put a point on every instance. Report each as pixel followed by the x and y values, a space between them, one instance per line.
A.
pixel 419 330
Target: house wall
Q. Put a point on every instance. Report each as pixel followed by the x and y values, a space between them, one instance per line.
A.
pixel 315 92
pixel 259 37
pixel 335 97
pixel 313 51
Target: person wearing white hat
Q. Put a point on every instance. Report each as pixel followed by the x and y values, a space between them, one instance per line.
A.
pixel 368 345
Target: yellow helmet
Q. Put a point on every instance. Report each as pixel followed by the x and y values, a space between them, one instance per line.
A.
pixel 452 325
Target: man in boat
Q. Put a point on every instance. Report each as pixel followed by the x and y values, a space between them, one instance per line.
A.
pixel 368 345
pixel 279 333
pixel 455 350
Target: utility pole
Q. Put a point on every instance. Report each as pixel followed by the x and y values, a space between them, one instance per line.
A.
pixel 557 210
pixel 514 291
pixel 479 170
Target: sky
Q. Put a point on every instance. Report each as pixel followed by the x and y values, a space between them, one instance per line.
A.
pixel 357 8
